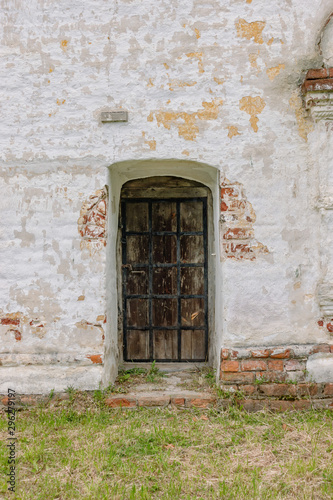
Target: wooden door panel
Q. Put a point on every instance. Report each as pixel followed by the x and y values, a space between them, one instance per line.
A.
pixel 165 279
pixel 165 344
pixel 137 344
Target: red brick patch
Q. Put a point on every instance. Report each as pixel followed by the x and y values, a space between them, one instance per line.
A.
pixel 307 389
pixel 177 401
pixel 320 348
pixel 10 321
pixel 328 390
pixel 153 401
pixel 230 366
pixel 249 365
pixel 275 364
pixel 281 354
pixel 95 358
pixel 202 402
pixel 278 390
pixel 293 365
pixel 238 378
pixel 261 353
pixel 120 402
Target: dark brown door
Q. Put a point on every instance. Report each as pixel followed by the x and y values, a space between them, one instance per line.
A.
pixel 164 272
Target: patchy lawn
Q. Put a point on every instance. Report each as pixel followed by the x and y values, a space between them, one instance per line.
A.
pixel 86 451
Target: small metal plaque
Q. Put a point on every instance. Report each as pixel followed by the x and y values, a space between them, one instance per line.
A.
pixel 114 116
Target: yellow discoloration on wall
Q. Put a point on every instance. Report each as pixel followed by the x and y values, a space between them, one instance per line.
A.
pixel 63 44
pixel 232 131
pixel 250 30
pixel 219 81
pixel 248 1
pixel 178 83
pixel 304 126
pixel 81 297
pixel 253 56
pixel 150 83
pixel 273 72
pixel 252 106
pixel 197 55
pixel 197 33
pixel 166 65
pixel 185 152
pixel 270 41
pixel 151 143
pixel 187 122
pixel 59 102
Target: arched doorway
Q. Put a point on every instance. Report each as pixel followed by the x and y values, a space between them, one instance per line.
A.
pixel 164 270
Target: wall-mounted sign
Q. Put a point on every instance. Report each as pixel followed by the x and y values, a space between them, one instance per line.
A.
pixel 114 116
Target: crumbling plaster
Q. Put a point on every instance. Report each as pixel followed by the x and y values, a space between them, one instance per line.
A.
pixel 215 83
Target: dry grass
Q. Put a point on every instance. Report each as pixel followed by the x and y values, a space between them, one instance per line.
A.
pixel 81 449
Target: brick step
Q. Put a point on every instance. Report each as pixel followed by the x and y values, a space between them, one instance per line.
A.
pixel 161 399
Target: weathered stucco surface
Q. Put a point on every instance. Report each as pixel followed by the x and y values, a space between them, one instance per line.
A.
pixel 213 86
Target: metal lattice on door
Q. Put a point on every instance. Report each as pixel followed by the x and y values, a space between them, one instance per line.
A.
pixel 165 279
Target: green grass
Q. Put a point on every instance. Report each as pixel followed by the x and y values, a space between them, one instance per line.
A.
pixel 74 452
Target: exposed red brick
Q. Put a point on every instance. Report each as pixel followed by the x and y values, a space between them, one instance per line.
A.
pixel 4 401
pixel 315 74
pixel 317 85
pixel 238 378
pixel 224 353
pixel 153 400
pixel 224 206
pixel 275 364
pixel 279 354
pixel 249 390
pixel 233 354
pixel 202 402
pixel 230 366
pixel 272 376
pixel 228 191
pixel 17 335
pixel 10 321
pixel 29 400
pixel 320 348
pixel 278 390
pixel 289 405
pixel 238 233
pixel 261 353
pixel 177 401
pixel 307 389
pixel 249 365
pixel 328 390
pixel 292 365
pixel 331 348
pixel 320 323
pixel 95 358
pixel 329 327
pixel 120 402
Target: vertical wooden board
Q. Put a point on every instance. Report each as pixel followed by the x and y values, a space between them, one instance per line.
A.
pixel 137 312
pixel 191 216
pixel 137 217
pixel 192 281
pixel 192 249
pixel 165 344
pixel 165 249
pixel 164 216
pixel 193 344
pixel 165 312
pixel 165 280
pixel 137 345
pixel 137 281
pixel 192 312
pixel 137 249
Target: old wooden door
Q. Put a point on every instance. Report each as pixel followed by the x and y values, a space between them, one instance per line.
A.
pixel 164 279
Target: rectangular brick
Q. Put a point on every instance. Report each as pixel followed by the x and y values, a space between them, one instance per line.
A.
pixel 320 348
pixel 224 353
pixel 120 402
pixel 293 365
pixel 249 390
pixel 149 401
pixel 279 353
pixel 229 366
pixel 177 401
pixel 307 389
pixel 200 402
pixel 328 390
pixel 289 405
pixel 271 376
pixel 261 353
pixel 238 378
pixel 278 390
pixel 275 365
pixel 250 365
